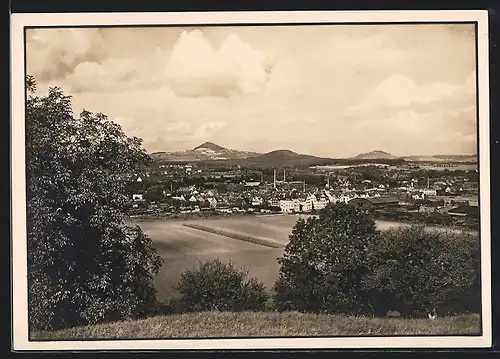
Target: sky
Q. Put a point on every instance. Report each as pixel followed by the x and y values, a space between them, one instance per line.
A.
pixel 330 90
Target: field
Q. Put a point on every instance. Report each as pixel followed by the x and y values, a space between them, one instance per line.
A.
pixel 183 247
pixel 266 324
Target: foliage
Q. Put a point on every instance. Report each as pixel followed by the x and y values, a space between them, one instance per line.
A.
pixel 84 265
pixel 325 260
pixel 220 286
pixel 415 269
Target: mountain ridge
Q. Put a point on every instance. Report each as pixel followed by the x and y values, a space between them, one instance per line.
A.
pixel 209 151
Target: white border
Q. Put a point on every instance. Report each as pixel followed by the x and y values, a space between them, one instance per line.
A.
pixel 19 265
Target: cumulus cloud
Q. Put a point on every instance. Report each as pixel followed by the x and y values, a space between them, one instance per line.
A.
pixel 112 74
pixel 54 53
pixel 196 68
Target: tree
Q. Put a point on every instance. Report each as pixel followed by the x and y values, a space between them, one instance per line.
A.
pixel 84 265
pixel 220 286
pixel 415 269
pixel 325 260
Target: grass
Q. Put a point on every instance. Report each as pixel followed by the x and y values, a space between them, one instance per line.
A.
pixel 266 324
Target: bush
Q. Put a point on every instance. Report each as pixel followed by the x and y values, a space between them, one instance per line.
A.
pixel 325 261
pixel 220 286
pixel 84 265
pixel 415 270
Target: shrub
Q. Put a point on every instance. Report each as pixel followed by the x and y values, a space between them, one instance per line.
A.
pixel 415 269
pixel 84 265
pixel 324 262
pixel 220 286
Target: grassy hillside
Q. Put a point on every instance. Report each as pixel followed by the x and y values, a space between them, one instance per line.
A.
pixel 250 324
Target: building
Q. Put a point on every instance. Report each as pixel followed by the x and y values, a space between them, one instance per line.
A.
pixel 212 202
pixel 375 202
pixel 287 206
pixel 137 197
pixel 274 202
pixel 429 192
pixel 252 184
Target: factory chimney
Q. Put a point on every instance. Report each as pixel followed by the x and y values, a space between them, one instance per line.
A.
pixel 274 183
pixel 284 175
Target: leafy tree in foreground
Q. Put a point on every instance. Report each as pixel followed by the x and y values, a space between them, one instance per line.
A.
pixel 84 264
pixel 220 286
pixel 324 262
pixel 416 269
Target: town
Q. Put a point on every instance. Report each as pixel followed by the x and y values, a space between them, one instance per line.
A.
pixel 439 194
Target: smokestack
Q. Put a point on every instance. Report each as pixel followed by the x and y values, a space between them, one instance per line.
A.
pixel 284 176
pixel 304 186
pixel 328 181
pixel 275 178
pixel 428 183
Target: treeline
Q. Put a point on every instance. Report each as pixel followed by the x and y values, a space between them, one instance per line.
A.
pixel 339 263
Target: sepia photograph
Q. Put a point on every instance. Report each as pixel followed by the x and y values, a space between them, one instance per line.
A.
pixel 250 180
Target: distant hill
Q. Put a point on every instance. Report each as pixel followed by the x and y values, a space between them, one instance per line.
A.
pixel 375 155
pixel 282 158
pixel 205 152
pixel 209 152
pixel 209 146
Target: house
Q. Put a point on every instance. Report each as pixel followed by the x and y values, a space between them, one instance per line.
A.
pixel 287 206
pixel 252 184
pixel 429 192
pixel 212 202
pixel 319 204
pixel 179 198
pixel 137 197
pixel 417 196
pixel 375 202
pixel 257 201
pixel 189 189
pixel 274 202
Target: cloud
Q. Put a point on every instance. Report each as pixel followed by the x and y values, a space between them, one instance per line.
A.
pixel 326 90
pixel 112 74
pixel 401 91
pixel 54 53
pixel 77 59
pixel 196 68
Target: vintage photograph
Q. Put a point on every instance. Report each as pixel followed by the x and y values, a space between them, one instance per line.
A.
pixel 253 181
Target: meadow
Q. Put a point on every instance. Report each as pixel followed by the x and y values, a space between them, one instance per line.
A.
pixel 265 324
